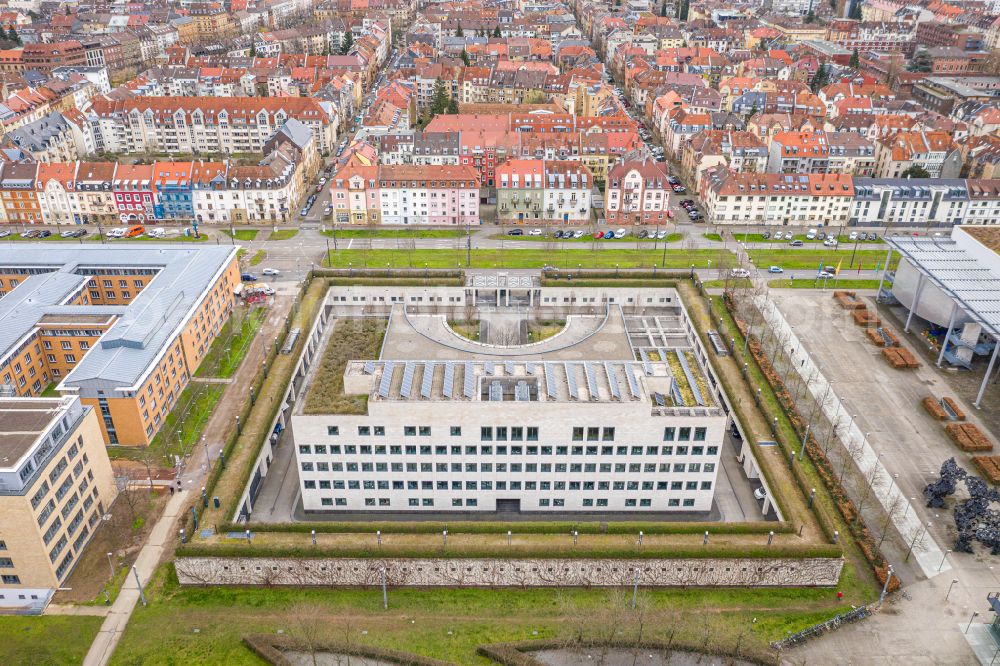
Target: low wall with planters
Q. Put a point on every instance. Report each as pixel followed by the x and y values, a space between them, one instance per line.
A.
pixel 525 572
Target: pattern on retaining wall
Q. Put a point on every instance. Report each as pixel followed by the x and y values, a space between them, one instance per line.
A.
pixel 431 572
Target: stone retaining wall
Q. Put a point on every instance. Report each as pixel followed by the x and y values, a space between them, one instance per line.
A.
pixel 434 572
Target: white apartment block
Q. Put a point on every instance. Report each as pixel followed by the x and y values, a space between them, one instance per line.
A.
pixel 591 420
pixel 204 124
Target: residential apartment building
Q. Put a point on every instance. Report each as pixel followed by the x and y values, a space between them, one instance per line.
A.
pixel 56 484
pixel 543 191
pixel 205 124
pixel 405 194
pixel 122 328
pixel 934 151
pixel 821 152
pixel 637 192
pixel 778 199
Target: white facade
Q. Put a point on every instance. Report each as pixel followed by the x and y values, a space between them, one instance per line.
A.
pixel 573 425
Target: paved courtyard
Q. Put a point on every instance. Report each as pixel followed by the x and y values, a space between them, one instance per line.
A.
pixel 919 626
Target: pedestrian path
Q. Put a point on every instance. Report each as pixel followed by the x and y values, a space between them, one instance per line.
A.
pixel 149 558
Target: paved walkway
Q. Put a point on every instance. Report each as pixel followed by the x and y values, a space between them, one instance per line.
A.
pixel 930 558
pixel 149 558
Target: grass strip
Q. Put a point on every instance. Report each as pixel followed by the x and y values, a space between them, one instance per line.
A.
pixel 569 259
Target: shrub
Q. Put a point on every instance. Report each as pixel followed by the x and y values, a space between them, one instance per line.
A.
pixel 350 339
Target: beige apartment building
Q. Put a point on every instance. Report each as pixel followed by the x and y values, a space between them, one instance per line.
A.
pixel 56 483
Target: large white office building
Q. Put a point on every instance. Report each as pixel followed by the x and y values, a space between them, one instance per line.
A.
pixel 616 413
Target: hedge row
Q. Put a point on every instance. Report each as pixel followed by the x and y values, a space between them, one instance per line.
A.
pixel 383 281
pixel 625 282
pixel 382 273
pixel 306 550
pixel 540 527
pixel 519 653
pixel 272 648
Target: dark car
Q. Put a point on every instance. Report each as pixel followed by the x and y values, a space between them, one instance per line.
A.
pixel 516 232
pixel 44 233
pixel 248 277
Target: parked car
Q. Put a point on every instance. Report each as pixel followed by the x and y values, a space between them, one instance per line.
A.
pixel 557 234
pixel 598 234
pixel 775 269
pixel 853 235
pixel 271 271
pixel 535 232
pixel 760 493
pixel 44 233
pixel 821 235
pixel 248 277
pixel 609 235
pixel 643 233
pixel 577 234
pixel 811 236
pixel 135 231
pixel 739 272
pixel 30 233
pixel 516 232
pixel 619 233
pixel 796 243
pixel 670 214
pixel 661 234
pixel 4 233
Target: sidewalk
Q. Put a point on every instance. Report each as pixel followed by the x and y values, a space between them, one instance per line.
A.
pixel 149 558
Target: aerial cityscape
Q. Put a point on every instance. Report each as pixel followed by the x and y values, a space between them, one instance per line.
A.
pixel 499 332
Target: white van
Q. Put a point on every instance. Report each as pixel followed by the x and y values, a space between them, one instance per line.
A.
pixel 739 273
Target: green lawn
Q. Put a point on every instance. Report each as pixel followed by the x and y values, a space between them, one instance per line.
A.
pixel 232 344
pixel 48 639
pixel 505 258
pixel 257 257
pixel 589 238
pixel 802 258
pixel 50 391
pixel 179 238
pixel 241 234
pixel 365 232
pixel 713 237
pixel 759 238
pixel 282 234
pixel 204 625
pixel 813 283
pixel 182 428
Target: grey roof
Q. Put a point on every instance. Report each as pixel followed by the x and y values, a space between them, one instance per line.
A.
pixel 149 323
pixel 37 135
pixel 958 273
pixel 917 189
pixel 21 309
pixel 297 132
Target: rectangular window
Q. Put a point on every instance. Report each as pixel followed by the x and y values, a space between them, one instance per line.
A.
pixel 425 431
pixel 699 434
pixel 410 431
pixel 684 435
pixel 532 433
pixel 668 434
pixel 456 431
pixel 593 434
pixel 486 434
pixel 608 434
pixel 333 430
pixel 365 431
pixel 577 434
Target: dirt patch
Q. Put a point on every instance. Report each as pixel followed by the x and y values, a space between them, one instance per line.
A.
pixel 132 518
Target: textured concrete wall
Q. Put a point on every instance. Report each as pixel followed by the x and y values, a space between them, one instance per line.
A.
pixel 430 572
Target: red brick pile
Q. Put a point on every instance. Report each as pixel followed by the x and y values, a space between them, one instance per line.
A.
pixel 900 358
pixel 848 300
pixel 968 437
pixel 934 408
pixel 989 466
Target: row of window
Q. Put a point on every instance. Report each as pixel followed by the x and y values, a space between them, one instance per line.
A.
pixel 503 450
pixel 504 485
pixel 544 502
pixel 486 433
